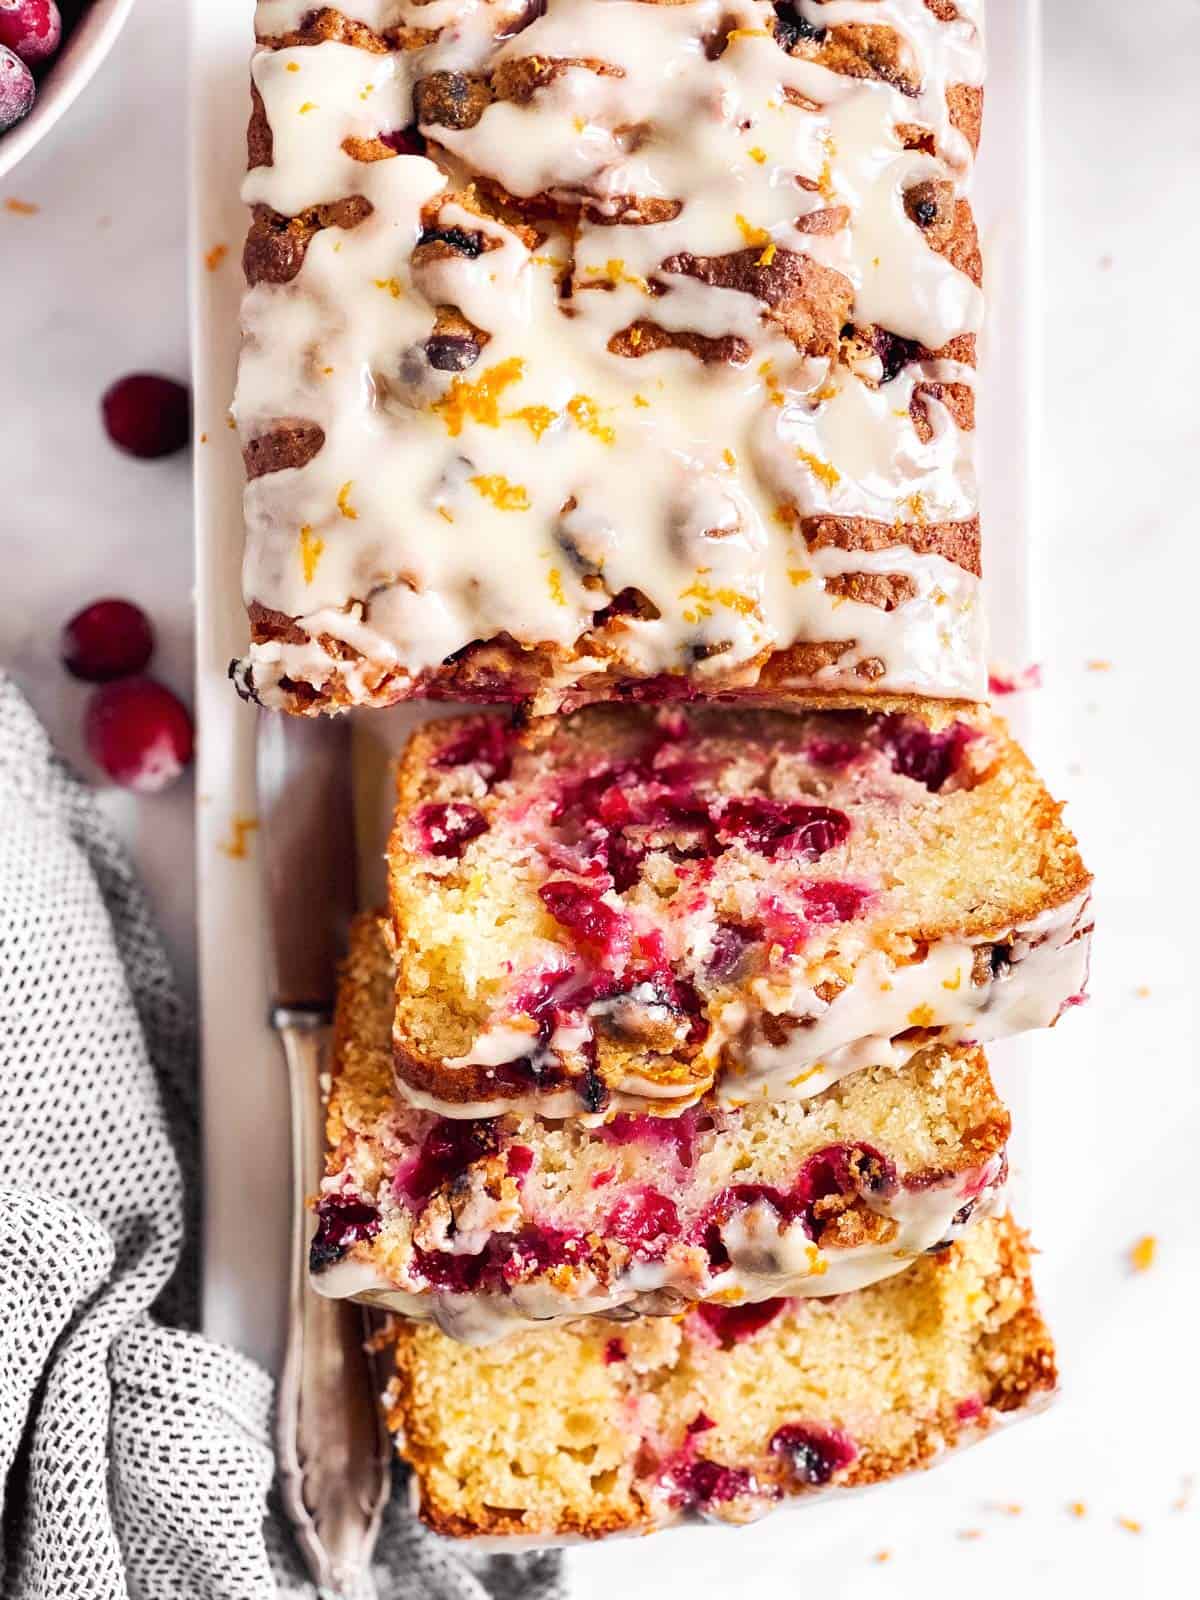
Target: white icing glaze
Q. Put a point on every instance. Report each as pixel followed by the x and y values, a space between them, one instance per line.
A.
pixel 658 473
pixel 766 1260
pixel 864 1026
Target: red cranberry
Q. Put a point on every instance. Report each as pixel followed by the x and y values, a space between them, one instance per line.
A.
pixel 732 1324
pixel 644 1221
pixel 833 902
pixel 699 1484
pixel 918 753
pixel 700 1423
pixel 772 827
pixel 342 1220
pixel 31 29
pixel 485 745
pixel 408 141
pixel 832 752
pixel 446 828
pixel 139 732
pixel 813 1452
pixel 614 1352
pixel 519 1160
pixel 147 415
pixel 446 1152
pixel 108 639
pixel 16 88
pixel 581 909
pixel 677 1133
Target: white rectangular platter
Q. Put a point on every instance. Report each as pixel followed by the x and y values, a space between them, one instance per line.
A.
pixel 245 1110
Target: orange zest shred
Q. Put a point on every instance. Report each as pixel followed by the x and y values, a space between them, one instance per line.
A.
pixel 757 153
pixel 585 413
pixel 309 105
pixel 479 401
pixel 799 575
pixel 920 1017
pixel 237 848
pixel 708 597
pixel 343 501
pixel 392 285
pixel 505 496
pixel 214 257
pixel 751 234
pixel 554 579
pixel 536 418
pixel 1141 1254
pixel 824 471
pixel 311 551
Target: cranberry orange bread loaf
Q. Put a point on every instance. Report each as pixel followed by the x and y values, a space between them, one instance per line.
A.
pixel 632 907
pixel 585 1430
pixel 600 348
pixel 483 1226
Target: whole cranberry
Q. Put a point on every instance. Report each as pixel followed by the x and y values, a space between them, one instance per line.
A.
pixel 147 415
pixel 108 639
pixel 16 88
pixel 32 29
pixel 139 732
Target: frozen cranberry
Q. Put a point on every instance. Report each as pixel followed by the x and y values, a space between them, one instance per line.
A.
pixel 139 732
pixel 342 1220
pixel 644 1221
pixel 147 415
pixel 773 827
pixel 732 1324
pixel 446 1152
pixel 108 639
pixel 813 1452
pixel 16 88
pixel 581 909
pixel 445 829
pixel 30 28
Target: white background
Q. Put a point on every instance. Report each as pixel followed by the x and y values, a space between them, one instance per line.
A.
pixel 94 285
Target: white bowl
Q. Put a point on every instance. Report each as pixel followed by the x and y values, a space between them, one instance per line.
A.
pixel 83 49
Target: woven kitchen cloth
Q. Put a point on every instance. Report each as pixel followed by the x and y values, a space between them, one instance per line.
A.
pixel 136 1454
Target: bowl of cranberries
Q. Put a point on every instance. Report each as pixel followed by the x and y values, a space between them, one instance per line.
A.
pixel 48 51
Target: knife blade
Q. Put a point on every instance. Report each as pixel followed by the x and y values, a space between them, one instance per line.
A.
pixel 334 1452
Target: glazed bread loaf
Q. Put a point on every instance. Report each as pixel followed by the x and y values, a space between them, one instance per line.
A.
pixel 484 1226
pixel 606 348
pixel 629 909
pixel 585 1430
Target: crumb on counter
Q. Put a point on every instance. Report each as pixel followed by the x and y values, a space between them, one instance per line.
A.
pixel 1077 1509
pixel 21 208
pixel 1098 665
pixel 1130 1524
pixel 214 257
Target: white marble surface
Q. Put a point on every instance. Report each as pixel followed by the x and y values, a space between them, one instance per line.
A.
pixel 93 285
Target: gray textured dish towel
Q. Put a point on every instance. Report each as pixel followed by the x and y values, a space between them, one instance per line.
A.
pixel 136 1454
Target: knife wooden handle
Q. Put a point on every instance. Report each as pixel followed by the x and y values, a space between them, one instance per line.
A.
pixel 334 1451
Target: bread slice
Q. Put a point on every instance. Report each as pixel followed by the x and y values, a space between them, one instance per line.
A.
pixel 586 1431
pixel 490 1225
pixel 626 909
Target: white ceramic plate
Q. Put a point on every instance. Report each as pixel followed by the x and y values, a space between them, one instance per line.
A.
pixel 244 1098
pixel 82 51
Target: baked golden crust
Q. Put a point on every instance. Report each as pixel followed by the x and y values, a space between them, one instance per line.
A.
pixel 549 1436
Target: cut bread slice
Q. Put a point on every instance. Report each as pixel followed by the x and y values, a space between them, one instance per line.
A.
pixel 628 908
pixel 489 1225
pixel 581 1431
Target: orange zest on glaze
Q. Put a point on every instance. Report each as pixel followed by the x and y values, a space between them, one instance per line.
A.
pixel 343 501
pixel 479 401
pixel 311 551
pixel 504 496
pixel 824 471
pixel 585 414
pixel 536 418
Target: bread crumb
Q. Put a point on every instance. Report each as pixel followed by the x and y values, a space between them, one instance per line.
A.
pixel 970 1533
pixel 236 846
pixel 1141 1254
pixel 1130 1524
pixel 883 1555
pixel 21 208
pixel 1077 1508
pixel 214 257
pixel 203 438
pixel 1099 665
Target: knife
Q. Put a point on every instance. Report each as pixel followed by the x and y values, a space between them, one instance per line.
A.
pixel 333 1448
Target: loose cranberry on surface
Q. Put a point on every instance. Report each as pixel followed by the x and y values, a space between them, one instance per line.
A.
pixel 108 639
pixel 139 732
pixel 31 29
pixel 147 415
pixel 16 88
